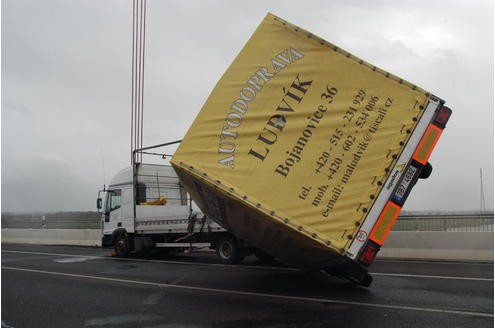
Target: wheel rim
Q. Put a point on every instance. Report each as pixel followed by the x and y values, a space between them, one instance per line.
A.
pixel 121 245
pixel 226 250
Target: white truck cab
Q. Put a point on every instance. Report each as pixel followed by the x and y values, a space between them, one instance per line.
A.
pixel 145 207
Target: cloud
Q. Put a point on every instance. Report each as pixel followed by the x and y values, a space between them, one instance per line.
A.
pixel 66 83
pixel 44 183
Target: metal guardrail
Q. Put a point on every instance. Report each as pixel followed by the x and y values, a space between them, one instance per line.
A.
pixel 455 222
pixel 458 223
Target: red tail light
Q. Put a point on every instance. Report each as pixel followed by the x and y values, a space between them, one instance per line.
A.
pixel 369 253
pixel 443 116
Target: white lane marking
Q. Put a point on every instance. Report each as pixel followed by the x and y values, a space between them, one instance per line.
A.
pixel 428 276
pixel 49 254
pixel 159 261
pixel 4 325
pixel 254 294
pixel 435 262
pixel 76 259
pixel 152 299
pixel 122 319
pixel 243 266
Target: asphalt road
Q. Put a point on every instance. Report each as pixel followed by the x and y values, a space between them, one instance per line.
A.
pixel 56 286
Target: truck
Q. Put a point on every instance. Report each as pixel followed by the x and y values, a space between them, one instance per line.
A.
pixel 145 207
pixel 308 152
pixel 302 151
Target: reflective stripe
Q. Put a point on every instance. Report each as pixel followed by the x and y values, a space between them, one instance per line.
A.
pixel 385 222
pixel 428 142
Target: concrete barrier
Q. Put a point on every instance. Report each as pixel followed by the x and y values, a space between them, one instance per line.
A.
pixel 441 245
pixel 421 245
pixel 79 237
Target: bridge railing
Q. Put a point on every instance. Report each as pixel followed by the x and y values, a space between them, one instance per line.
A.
pixel 441 222
pixel 434 222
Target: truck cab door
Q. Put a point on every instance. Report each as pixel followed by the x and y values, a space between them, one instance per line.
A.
pixel 113 211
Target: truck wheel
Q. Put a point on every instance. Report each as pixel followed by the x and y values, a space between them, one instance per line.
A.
pixel 426 171
pixel 262 255
pixel 121 246
pixel 352 273
pixel 228 251
pixel 364 280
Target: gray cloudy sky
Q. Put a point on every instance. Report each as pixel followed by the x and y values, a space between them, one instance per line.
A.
pixel 66 84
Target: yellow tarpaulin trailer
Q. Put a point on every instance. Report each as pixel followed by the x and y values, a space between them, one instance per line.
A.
pixel 307 151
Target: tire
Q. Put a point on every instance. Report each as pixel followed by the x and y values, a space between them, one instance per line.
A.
pixel 353 273
pixel 121 245
pixel 227 250
pixel 365 280
pixel 262 255
pixel 426 171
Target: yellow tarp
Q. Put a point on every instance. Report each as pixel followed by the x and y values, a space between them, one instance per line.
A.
pixel 299 131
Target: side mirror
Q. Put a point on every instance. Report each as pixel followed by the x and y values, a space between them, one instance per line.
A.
pixel 98 203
